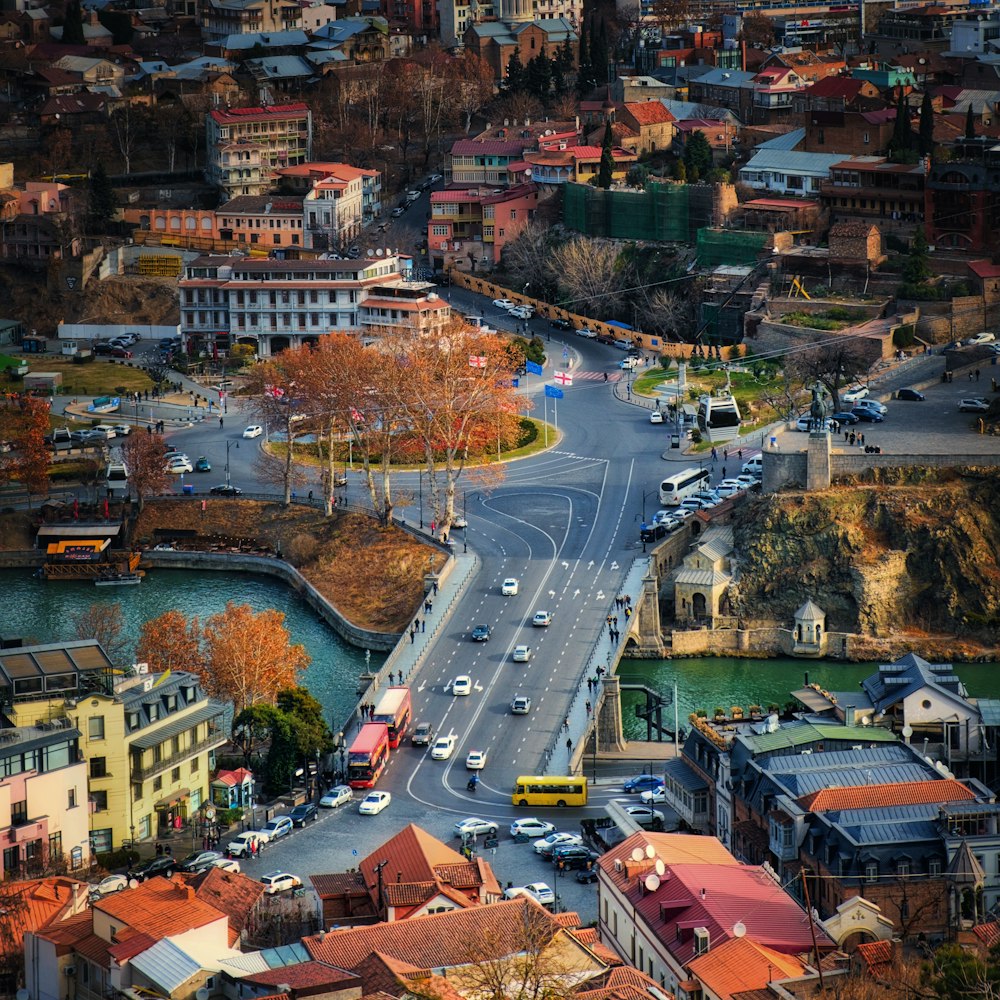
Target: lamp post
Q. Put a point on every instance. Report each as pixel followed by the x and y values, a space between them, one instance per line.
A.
pixel 341 750
pixel 648 493
pixel 420 480
pixel 229 444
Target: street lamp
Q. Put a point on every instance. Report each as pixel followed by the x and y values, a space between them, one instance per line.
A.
pixel 229 444
pixel 341 750
pixel 648 493
pixel 420 480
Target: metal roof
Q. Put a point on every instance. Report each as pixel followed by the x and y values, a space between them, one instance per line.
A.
pixel 684 775
pixel 790 161
pixel 150 738
pixel 798 733
pixel 787 141
pixel 166 965
pixel 989 711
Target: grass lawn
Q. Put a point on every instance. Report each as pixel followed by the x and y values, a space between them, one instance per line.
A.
pixel 98 378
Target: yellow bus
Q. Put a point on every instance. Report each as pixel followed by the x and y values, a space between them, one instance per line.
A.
pixel 550 790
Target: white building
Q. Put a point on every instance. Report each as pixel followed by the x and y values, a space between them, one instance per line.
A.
pixel 785 171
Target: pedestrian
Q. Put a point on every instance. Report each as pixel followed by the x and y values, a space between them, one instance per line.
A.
pixel 725 454
pixel 615 620
pixel 715 454
pixel 628 600
pixel 220 423
pixel 740 453
pixel 628 613
pixel 423 628
pixel 416 624
pixel 853 438
pixel 723 472
pixel 608 619
pixel 847 435
pixel 569 745
pixel 435 588
pixel 588 707
pixel 862 438
pixel 159 849
pixel 971 376
pixel 590 684
pixel 149 428
pixel 977 374
pixel 413 635
pixel 565 724
pixel 430 607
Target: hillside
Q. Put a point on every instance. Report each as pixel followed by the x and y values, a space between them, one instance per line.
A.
pixel 914 553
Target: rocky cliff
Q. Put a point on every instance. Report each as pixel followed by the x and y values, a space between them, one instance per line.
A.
pixel 905 552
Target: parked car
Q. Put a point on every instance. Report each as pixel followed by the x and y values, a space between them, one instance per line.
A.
pixel 461 685
pixel 542 619
pixel 845 416
pixel 653 795
pixel 521 705
pixel 652 532
pixel 871 404
pixel 336 796
pixel 226 490
pixel 982 338
pixel 374 802
pixel 397 212
pixel 120 352
pixel 240 846
pixel 202 464
pixel 647 817
pixel 164 865
pixel 627 364
pixel 504 304
pixel 555 839
pixel 305 813
pixel 443 747
pixel 855 393
pixel 179 464
pixel 279 826
pixel 531 827
pixel 103 348
pixel 196 861
pixel 587 333
pixel 867 416
pixel 975 404
pixel 542 893
pixel 227 865
pixel 108 885
pixel 122 430
pixel 642 783
pixel 910 394
pixel 560 324
pixel 279 881
pixel 572 856
pixel 474 826
pixel 481 633
pixel 586 875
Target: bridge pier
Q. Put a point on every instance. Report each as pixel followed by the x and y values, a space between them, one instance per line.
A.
pixel 608 715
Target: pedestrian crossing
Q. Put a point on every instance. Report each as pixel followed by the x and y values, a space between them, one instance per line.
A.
pixel 597 376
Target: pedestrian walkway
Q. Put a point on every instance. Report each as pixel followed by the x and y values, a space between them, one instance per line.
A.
pixel 409 653
pixel 599 376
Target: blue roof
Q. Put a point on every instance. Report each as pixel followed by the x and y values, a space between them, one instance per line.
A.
pixel 909 674
pixel 684 775
pixel 267 40
pixel 792 162
pixel 683 110
pixel 280 67
pixel 787 141
pixel 720 77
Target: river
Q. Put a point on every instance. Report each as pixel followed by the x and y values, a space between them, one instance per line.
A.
pixel 42 612
pixel 712 682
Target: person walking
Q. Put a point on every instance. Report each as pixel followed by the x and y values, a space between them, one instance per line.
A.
pixel 220 423
pixel 569 745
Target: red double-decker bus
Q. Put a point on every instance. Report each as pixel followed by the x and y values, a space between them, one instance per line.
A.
pixel 368 755
pixel 394 708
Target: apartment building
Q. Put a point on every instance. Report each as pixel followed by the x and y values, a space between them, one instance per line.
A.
pixel 222 18
pixel 246 146
pixel 147 740
pixel 276 304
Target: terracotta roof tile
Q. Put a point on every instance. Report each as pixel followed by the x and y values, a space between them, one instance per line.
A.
pixel 899 793
pixel 130 944
pixel 621 983
pixel 38 902
pixel 161 907
pixel 649 112
pixel 64 934
pixel 95 949
pixel 742 964
pixel 338 883
pixel 413 855
pixel 877 956
pixel 305 974
pixel 988 933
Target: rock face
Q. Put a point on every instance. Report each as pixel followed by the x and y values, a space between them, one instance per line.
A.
pixel 916 554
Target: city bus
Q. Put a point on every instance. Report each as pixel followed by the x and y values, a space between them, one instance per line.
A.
pixel 393 709
pixel 550 790
pixel 675 488
pixel 368 755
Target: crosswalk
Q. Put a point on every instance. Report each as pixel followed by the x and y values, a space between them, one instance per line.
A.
pixel 597 376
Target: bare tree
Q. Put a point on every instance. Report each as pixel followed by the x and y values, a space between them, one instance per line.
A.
pixel 593 275
pixel 669 313
pixel 528 257
pixel 105 623
pixel 126 127
pixel 144 458
pixel 470 86
pixel 835 363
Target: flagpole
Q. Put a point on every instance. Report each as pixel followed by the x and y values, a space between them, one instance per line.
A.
pixel 555 413
pixel 545 422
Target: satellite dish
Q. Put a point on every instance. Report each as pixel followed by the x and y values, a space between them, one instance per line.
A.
pixel 650 851
pixel 660 867
pixel 370 253
pixel 202 994
pixel 380 252
pixel 638 854
pixel 652 882
pixel 739 929
pixel 133 883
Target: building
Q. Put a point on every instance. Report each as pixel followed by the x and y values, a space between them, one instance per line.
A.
pixel 666 899
pixel 963 199
pixel 492 162
pixel 871 189
pixel 148 740
pixel 340 202
pixel 788 171
pixel 266 221
pixel 221 18
pixel 246 146
pixel 497 41
pixel 456 15
pixel 276 304
pixel 427 877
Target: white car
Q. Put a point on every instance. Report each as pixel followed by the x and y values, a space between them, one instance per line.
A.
pixel 656 795
pixel 253 431
pixel 656 417
pixel 279 881
pixel 587 333
pixel 227 865
pixel 505 304
pixel 541 892
pixel 531 827
pixel 178 466
pixel 474 826
pixel 374 802
pixel 628 364
pixel 522 654
pixel 239 846
pixel 108 885
pixel 461 685
pixel 336 796
pixel 458 521
pixel 542 619
pixel 872 404
pixel 444 747
pixel 645 816
pixel 123 430
pixel 522 312
pixel 509 587
pixel 855 393
pixel 476 760
pixel 554 839
pixel 974 404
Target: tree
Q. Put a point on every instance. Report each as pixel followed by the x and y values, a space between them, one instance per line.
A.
pixel 538 79
pixel 594 275
pixel 100 196
pixel 73 24
pixel 697 155
pixel 147 471
pixel 105 623
pixel 599 54
pixel 757 30
pixel 917 269
pixel 670 14
pixel 927 125
pixel 312 734
pixel 516 79
pixel 839 362
pixel 585 78
pixel 24 423
pixel 171 641
pixel 527 259
pixel 248 656
pixel 958 973
pixel 126 128
pixel 670 314
pixel 970 122
pixel 902 135
pixel 470 85
pixel 605 175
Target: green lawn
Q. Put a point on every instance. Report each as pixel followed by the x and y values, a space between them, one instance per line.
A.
pixel 97 378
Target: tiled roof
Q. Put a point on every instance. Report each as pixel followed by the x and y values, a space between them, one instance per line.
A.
pixel 413 854
pixel 95 949
pixel 742 964
pixel 988 933
pixel 237 116
pixel 877 955
pixel 34 904
pixel 491 147
pixel 305 974
pixel 649 112
pixel 230 893
pixel 440 939
pixel 130 944
pixel 622 983
pixel 338 883
pixel 283 204
pixel 65 934
pixel 910 793
pixel 161 907
pixel 73 104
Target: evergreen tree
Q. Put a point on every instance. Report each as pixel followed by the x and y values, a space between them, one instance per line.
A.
pixel 916 270
pixel 902 138
pixel 100 196
pixel 599 52
pixel 697 155
pixel 585 74
pixel 558 77
pixel 565 57
pixel 926 125
pixel 679 171
pixel 73 24
pixel 516 78
pixel 970 123
pixel 538 78
pixel 605 175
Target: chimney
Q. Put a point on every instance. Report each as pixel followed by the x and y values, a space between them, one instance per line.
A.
pixel 703 894
pixel 322 935
pixel 190 893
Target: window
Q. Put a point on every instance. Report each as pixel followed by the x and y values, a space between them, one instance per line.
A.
pixel 98 767
pixel 19 812
pixel 136 791
pixel 175 774
pixel 903 867
pixel 55 846
pixel 934 867
pixel 157 784
pixel 194 766
pixel 871 869
pixel 95 727
pixel 100 800
pixel 11 858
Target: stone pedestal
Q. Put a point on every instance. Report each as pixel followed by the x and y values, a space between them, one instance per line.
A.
pixel 818 461
pixel 647 614
pixel 609 715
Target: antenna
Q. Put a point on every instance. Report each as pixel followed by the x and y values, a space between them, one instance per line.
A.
pixel 650 851
pixel 652 882
pixel 638 854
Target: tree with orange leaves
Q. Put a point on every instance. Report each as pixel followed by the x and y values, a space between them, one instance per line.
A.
pixel 171 641
pixel 248 656
pixel 145 457
pixel 24 422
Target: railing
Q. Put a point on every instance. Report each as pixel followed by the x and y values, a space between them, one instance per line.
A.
pixel 214 739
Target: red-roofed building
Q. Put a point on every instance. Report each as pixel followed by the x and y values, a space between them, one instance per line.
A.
pixel 904 793
pixel 740 964
pixel 658 917
pixel 652 124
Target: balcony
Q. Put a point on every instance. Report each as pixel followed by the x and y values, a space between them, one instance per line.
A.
pixel 216 738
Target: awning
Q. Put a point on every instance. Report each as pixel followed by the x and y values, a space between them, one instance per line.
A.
pixel 171 800
pixel 79 530
pixel 153 737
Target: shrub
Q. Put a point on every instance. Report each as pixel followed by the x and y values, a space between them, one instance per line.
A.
pixel 528 433
pixel 903 336
pixel 301 549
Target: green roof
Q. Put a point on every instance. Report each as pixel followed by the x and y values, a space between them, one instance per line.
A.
pixel 796 735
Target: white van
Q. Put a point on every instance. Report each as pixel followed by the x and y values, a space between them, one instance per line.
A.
pixel 754 467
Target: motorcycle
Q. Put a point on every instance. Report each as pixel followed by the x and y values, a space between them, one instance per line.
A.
pixel 473 781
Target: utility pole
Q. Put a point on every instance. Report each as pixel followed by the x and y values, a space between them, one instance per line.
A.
pixel 381 900
pixel 812 924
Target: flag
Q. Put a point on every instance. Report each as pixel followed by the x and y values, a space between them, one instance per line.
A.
pixel 564 378
pixel 553 393
pixel 162 678
pixel 477 361
pixel 274 390
pixel 532 369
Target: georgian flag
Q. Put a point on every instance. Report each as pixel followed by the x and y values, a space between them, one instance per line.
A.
pixel 477 361
pixel 563 378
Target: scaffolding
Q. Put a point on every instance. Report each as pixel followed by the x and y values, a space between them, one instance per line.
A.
pixel 718 247
pixel 663 212
pixel 159 265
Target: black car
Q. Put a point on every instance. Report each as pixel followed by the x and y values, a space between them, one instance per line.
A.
pixel 481 633
pixel 867 416
pixel 225 490
pixel 586 875
pixel 560 324
pixel 103 348
pixel 910 394
pixel 198 861
pixel 652 532
pixel 574 857
pixel 303 814
pixel 163 864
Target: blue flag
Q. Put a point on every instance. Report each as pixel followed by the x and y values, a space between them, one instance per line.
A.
pixel 553 393
pixel 532 369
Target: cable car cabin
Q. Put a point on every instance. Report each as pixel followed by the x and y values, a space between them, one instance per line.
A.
pixel 718 417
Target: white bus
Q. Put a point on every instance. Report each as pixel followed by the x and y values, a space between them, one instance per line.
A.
pixel 675 488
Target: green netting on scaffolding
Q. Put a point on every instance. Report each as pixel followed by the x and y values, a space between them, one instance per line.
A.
pixel 726 246
pixel 659 213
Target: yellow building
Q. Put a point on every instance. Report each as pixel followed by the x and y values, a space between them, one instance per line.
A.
pixel 148 739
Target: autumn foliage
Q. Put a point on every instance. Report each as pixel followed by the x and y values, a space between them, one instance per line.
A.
pixel 24 422
pixel 144 456
pixel 171 641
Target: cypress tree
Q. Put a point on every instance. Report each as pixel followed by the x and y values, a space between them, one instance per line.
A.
pixel 100 196
pixel 926 125
pixel 970 122
pixel 73 24
pixel 606 174
pixel 516 78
